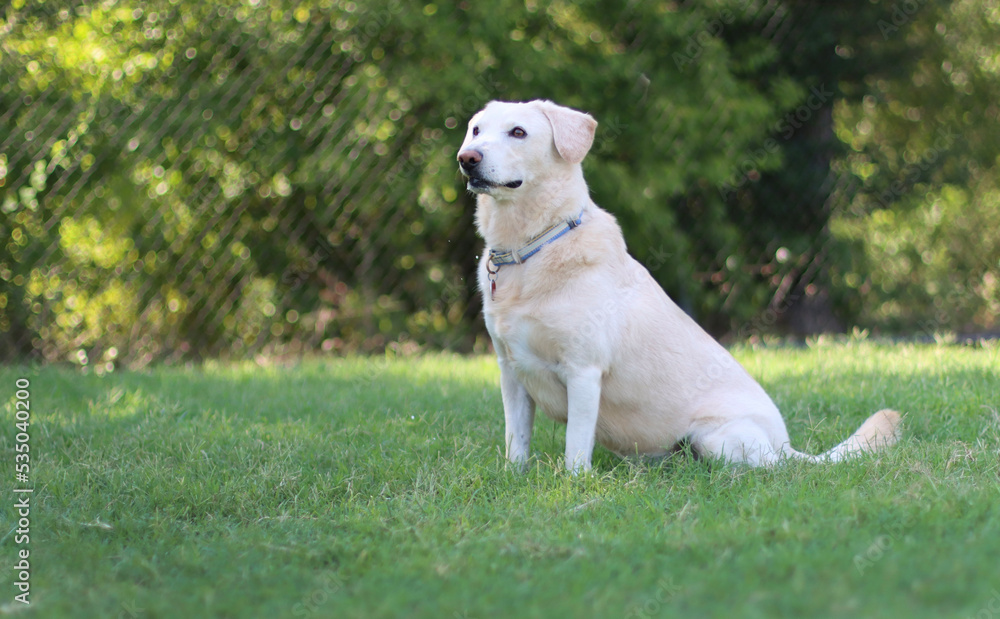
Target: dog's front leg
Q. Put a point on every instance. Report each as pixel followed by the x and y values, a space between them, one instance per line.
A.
pixel 583 391
pixel 518 414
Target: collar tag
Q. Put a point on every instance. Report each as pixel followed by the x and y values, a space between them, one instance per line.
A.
pixel 500 257
pixel 492 276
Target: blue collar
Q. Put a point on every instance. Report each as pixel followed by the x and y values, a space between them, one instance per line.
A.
pixel 500 257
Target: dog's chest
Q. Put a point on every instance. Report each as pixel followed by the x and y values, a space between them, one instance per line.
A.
pixel 524 343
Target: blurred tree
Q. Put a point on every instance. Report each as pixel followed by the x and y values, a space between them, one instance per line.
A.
pixel 924 151
pixel 204 140
pixel 183 178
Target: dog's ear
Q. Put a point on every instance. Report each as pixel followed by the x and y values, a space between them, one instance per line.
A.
pixel 572 131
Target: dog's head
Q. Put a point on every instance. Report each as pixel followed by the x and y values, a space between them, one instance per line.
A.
pixel 512 146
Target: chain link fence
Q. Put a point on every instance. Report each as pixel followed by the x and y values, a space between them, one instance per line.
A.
pixel 211 196
pixel 181 181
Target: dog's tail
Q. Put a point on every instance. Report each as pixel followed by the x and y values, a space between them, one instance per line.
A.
pixel 877 432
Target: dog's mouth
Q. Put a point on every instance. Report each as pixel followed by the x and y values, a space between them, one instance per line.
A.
pixel 481 185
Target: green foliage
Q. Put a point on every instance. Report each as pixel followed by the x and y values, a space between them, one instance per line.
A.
pixel 182 179
pixel 930 266
pixel 924 155
pixel 181 210
pixel 376 488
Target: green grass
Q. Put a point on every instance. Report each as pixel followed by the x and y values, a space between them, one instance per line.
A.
pixel 360 488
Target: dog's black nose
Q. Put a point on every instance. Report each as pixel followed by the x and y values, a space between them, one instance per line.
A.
pixel 469 159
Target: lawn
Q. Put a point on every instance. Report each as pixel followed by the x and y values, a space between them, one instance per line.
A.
pixel 372 488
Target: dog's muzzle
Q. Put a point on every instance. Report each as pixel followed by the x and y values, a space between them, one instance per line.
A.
pixel 468 163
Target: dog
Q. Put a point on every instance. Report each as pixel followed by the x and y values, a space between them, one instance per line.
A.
pixel 583 331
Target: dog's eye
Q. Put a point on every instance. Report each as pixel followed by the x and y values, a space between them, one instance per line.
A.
pixel 475 131
pixel 518 132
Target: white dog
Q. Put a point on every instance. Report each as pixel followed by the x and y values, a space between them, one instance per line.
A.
pixel 583 331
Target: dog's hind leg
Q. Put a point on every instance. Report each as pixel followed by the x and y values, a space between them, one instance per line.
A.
pixel 739 441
